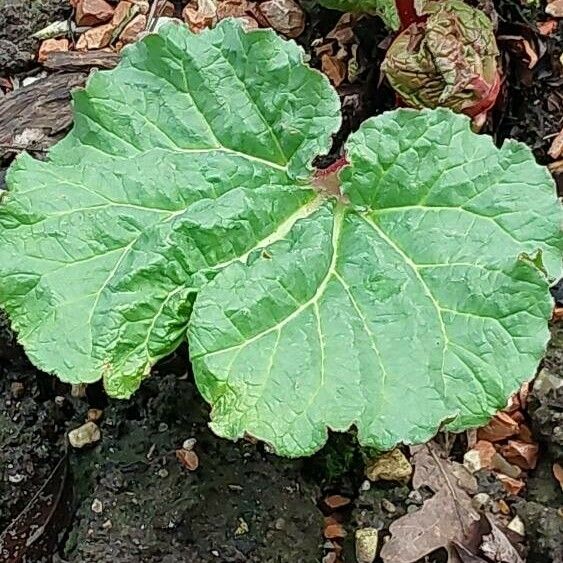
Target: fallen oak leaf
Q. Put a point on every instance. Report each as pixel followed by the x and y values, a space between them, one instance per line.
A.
pixel 445 518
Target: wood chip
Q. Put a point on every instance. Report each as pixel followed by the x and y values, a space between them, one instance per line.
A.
pixel 335 502
pixel 556 148
pixel 133 29
pixel 335 68
pixel 93 12
pixel 522 454
pixel 285 16
pixel 500 427
pixel 80 60
pixel 96 38
pixel 511 486
pixel 50 46
pixel 334 531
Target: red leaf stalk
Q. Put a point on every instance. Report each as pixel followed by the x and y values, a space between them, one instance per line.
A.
pixel 407 13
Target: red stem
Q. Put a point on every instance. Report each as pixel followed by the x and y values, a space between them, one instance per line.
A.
pixel 407 13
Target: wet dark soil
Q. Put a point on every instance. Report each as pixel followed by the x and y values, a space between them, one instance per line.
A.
pixel 128 499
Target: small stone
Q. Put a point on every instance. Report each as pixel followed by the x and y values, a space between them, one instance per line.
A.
pixel 94 415
pixel 51 46
pixel 500 464
pixel 93 12
pixel 78 390
pixel 365 486
pixel 189 444
pixel 388 506
pixel 279 524
pixel 391 466
pixel 366 545
pixel 16 478
pixel 97 506
pixel 84 435
pixel 285 16
pixel 511 485
pixel 336 501
pixel 521 454
pixel 500 427
pixel 107 525
pixel 163 427
pixel 517 526
pixel 17 389
pixel 480 456
pixel 133 29
pixel 334 531
pixel 415 497
pixel 162 473
pixel 242 527
pixel 59 400
pixel 188 458
pixel 481 501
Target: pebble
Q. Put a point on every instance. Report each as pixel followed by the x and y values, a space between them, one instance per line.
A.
pixel 162 427
pixel 388 506
pixel 93 12
pixel 94 415
pixel 189 444
pixel 188 458
pixel 336 501
pixel 366 545
pixel 16 478
pixel 365 486
pixel 481 501
pixel 88 433
pixel 107 525
pixel 279 524
pixel 162 473
pixel 334 531
pixel 391 466
pixel 517 526
pixel 17 389
pixel 97 506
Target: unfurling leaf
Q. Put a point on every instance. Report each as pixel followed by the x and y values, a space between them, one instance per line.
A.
pixel 417 296
pixel 449 59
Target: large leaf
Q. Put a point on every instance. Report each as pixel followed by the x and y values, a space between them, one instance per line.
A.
pixel 385 9
pixel 420 302
pixel 189 154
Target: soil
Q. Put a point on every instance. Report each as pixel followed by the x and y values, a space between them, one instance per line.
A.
pixel 128 499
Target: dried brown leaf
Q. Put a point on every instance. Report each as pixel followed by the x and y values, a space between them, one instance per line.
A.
pixel 446 517
pixel 497 547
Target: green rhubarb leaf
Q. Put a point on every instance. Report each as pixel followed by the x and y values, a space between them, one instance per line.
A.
pixel 191 153
pixel 417 303
pixel 385 9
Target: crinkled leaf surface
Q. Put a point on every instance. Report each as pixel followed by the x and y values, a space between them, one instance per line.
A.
pixel 417 299
pixel 385 9
pixel 417 303
pixel 192 152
